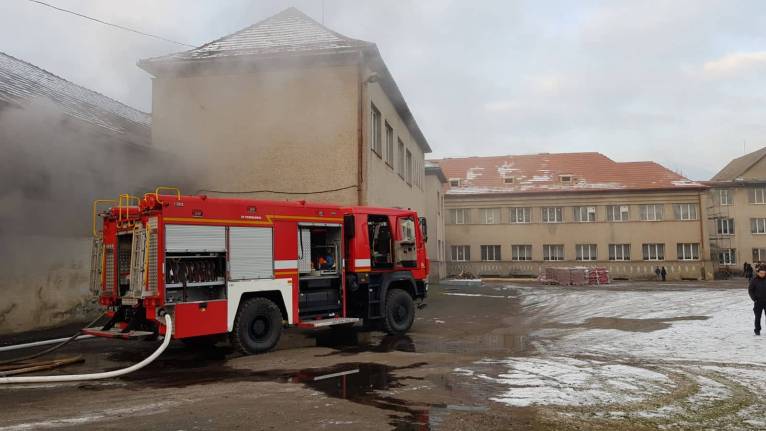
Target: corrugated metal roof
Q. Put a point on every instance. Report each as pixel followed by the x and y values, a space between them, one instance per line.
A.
pixel 290 31
pixel 536 173
pixel 22 83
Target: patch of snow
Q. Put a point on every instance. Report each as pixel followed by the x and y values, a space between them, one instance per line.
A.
pixel 473 173
pixel 570 382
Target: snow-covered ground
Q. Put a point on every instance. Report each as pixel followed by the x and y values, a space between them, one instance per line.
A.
pixel 675 357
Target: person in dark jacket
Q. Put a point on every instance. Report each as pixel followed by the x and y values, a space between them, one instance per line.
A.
pixel 664 274
pixel 658 271
pixel 757 291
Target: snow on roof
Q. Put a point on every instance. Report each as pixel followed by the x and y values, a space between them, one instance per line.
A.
pixel 536 173
pixel 290 31
pixel 22 83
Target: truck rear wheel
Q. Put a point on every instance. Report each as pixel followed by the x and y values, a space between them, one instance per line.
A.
pixel 399 312
pixel 257 327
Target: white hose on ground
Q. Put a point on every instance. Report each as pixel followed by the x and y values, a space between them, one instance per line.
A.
pixel 40 343
pixel 104 375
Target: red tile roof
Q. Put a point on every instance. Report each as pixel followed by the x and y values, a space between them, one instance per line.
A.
pixel 535 173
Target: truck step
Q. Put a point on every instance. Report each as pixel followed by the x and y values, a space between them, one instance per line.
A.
pixel 116 333
pixel 328 322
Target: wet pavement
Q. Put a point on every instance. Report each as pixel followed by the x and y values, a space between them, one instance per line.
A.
pixel 503 355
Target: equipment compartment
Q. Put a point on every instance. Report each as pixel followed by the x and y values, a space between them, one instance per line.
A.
pixel 191 277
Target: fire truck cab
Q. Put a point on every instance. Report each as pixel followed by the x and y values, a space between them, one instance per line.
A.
pixel 248 268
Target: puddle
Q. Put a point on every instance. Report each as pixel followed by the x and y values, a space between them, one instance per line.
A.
pixel 360 383
pixel 629 325
pixel 357 342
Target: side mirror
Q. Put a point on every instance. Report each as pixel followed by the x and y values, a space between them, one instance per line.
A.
pixel 349 227
pixel 424 228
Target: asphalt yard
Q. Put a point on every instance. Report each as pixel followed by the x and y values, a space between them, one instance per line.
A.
pixel 501 355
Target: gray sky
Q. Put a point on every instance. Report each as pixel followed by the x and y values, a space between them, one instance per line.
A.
pixel 679 82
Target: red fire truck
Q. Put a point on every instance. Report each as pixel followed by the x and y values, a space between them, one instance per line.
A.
pixel 248 268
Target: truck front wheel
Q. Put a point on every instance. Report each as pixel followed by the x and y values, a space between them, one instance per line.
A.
pixel 399 312
pixel 257 327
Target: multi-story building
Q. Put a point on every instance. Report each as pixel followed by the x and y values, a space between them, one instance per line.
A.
pixel 289 108
pixel 515 215
pixel 737 213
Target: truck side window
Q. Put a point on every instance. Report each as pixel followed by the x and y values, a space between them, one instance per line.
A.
pixel 407 228
pixel 379 231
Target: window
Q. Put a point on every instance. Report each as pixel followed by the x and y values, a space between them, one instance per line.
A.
pixel 521 252
pixel 724 226
pixel 685 211
pixel 688 251
pixel 389 145
pixel 585 214
pixel 619 251
pixel 375 129
pixel 459 216
pixel 489 216
pixel 461 253
pixel 586 251
pixel 508 180
pixel 759 254
pixel 653 251
pixel 454 182
pixel 553 252
pixel 408 166
pixel 724 196
pixel 566 179
pixel 552 215
pixel 758 225
pixel 400 163
pixel 407 229
pixel 521 215
pixel 651 212
pixel 727 256
pixel 757 195
pixel 618 213
pixel 490 252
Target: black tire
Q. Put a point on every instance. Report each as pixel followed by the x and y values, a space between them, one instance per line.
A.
pixel 399 312
pixel 257 327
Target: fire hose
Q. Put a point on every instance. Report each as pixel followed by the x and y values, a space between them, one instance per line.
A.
pixel 103 375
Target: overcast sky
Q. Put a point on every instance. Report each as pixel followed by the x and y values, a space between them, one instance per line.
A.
pixel 679 82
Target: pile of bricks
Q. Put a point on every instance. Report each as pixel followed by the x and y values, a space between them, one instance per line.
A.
pixel 575 276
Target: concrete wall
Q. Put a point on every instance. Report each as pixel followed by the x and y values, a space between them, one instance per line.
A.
pixel 385 187
pixel 278 127
pixel 434 213
pixel 570 233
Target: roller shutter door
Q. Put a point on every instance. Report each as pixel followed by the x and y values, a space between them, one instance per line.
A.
pixel 250 253
pixel 183 238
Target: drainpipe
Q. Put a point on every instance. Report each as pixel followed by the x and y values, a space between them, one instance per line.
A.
pixel 360 131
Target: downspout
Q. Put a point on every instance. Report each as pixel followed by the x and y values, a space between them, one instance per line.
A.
pixel 360 132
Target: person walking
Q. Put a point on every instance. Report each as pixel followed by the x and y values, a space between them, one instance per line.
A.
pixel 748 271
pixel 757 291
pixel 664 274
pixel 658 271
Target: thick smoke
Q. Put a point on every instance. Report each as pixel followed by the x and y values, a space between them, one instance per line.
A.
pixel 52 167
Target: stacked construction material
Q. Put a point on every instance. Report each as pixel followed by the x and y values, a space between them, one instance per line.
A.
pixel 575 276
pixel 598 276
